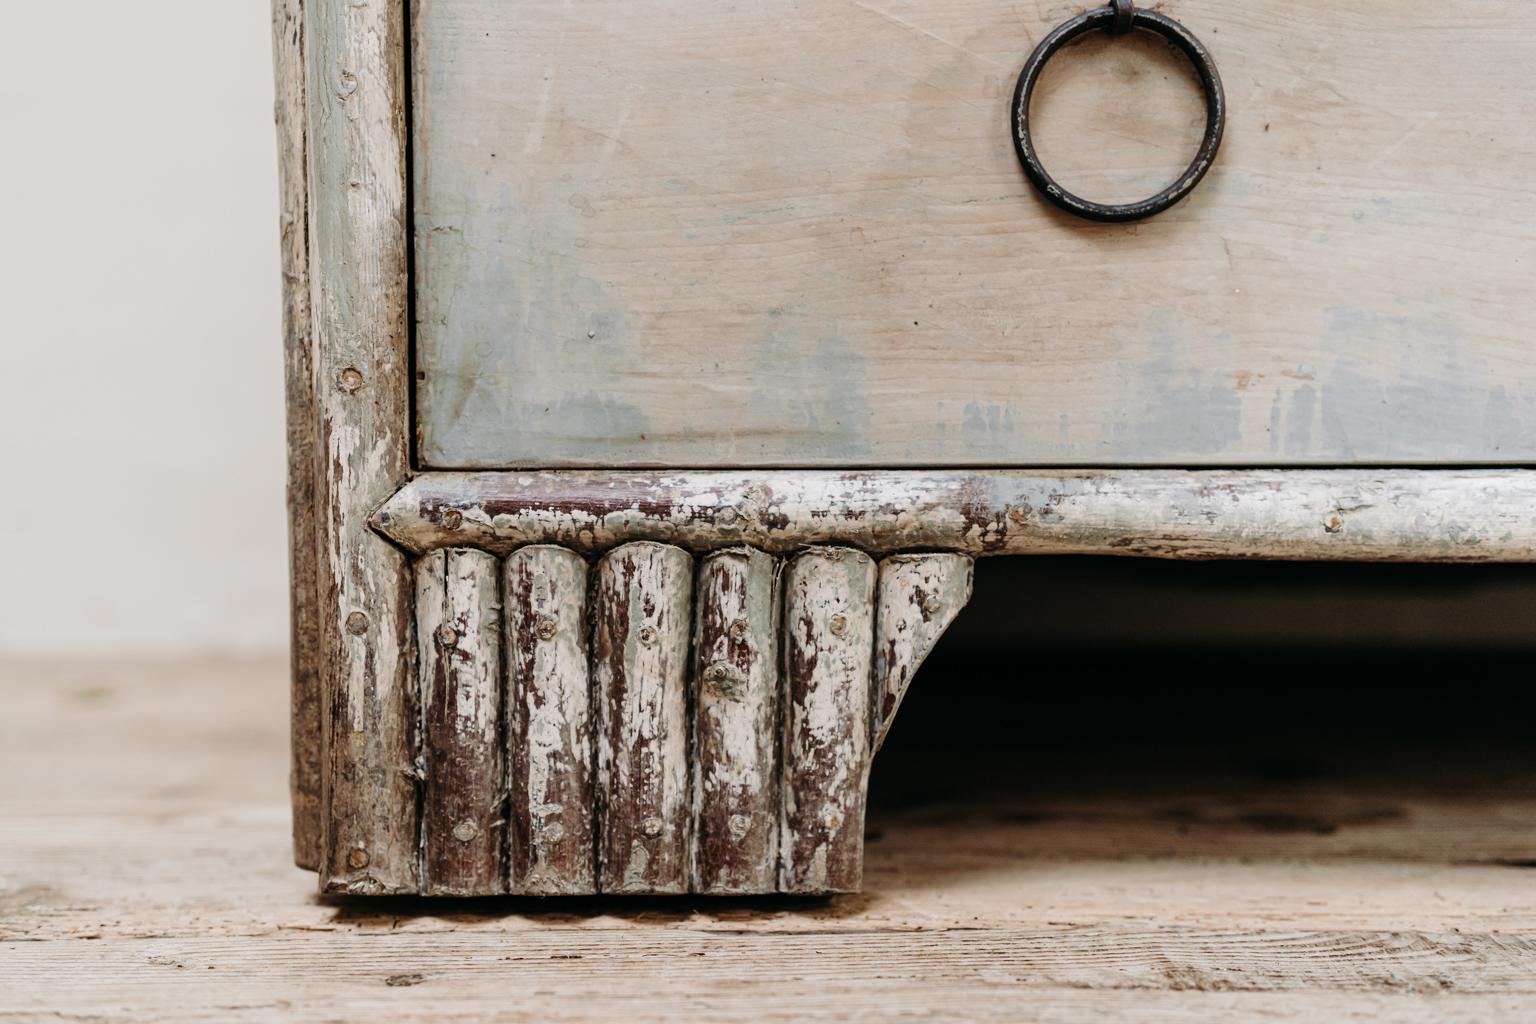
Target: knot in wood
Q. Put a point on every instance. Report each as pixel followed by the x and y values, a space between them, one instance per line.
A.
pixel 725 680
pixel 349 381
pixel 357 623
pixel 649 636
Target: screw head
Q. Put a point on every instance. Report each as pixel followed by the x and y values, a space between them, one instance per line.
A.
pixel 738 825
pixel 447 636
pixel 932 605
pixel 1333 524
pixel 649 636
pixel 839 625
pixel 546 629
pixel 651 827
pixel 466 831
pixel 349 381
pixel 832 820
pixel 357 623
pixel 725 680
pixel 727 515
pixel 451 519
pixel 358 858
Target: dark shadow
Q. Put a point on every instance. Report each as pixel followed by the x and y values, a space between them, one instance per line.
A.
pixel 390 911
pixel 1181 703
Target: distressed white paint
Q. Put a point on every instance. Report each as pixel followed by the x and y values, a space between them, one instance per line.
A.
pixel 356 149
pixel 1462 515
pixel 735 716
pixel 828 634
pixel 550 723
pixel 641 621
pixel 306 630
pixel 458 639
pixel 919 597
pixel 812 214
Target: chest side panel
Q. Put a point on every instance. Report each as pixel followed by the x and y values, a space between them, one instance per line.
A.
pixel 794 232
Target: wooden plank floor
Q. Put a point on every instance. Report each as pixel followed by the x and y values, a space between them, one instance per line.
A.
pixel 144 876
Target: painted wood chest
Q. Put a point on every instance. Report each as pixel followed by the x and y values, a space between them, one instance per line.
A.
pixel 657 368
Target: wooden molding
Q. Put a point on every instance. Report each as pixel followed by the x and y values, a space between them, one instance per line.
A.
pixel 1393 515
pixel 305 620
pixel 359 301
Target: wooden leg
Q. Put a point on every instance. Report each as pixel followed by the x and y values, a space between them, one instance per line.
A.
pixel 663 731
pixel 641 625
pixel 829 600
pixel 550 724
pixel 735 718
pixel 920 596
pixel 458 634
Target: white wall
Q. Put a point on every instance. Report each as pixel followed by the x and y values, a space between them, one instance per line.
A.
pixel 141 493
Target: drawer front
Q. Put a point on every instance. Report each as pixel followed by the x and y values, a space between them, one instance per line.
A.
pixel 795 232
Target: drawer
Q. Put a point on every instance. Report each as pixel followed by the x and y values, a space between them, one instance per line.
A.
pixel 690 233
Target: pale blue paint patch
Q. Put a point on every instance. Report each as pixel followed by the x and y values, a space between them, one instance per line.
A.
pixel 1423 406
pixel 1177 406
pixel 819 400
pixel 527 366
pixel 1298 421
pixel 988 429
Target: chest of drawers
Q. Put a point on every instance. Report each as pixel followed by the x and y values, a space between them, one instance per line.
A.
pixel 657 369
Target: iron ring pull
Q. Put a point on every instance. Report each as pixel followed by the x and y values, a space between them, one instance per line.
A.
pixel 1119 17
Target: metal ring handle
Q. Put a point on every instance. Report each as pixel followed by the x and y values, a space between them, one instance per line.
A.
pixel 1110 18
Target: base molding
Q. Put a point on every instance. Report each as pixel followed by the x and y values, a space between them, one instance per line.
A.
pixel 1408 515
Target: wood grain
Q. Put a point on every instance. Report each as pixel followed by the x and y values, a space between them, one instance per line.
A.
pixel 305 644
pixel 550 724
pixel 1051 880
pixel 813 215
pixel 735 750
pixel 829 596
pixel 641 619
pixel 919 597
pixel 359 293
pixel 1462 515
pixel 458 633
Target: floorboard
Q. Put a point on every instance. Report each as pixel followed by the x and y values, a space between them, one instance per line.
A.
pixel 145 876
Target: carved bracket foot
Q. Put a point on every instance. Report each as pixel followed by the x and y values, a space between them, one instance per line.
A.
pixel 652 723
